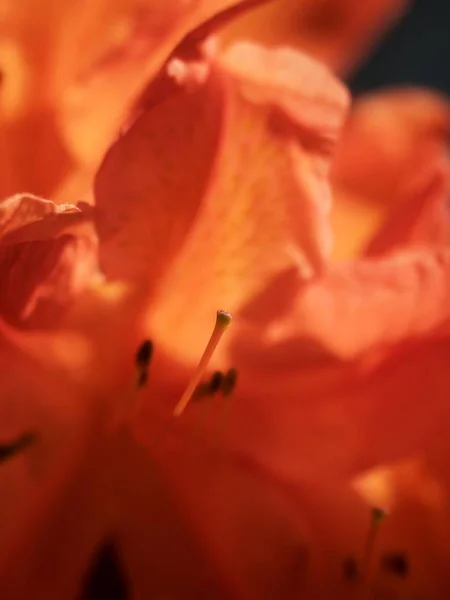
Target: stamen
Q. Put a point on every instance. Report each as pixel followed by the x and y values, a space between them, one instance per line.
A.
pixel 223 320
pixel 143 357
pixel 228 386
pixel 131 402
pixel 378 515
pixel 11 449
pixel 216 382
pixel 229 382
pixel 350 569
pixel 396 563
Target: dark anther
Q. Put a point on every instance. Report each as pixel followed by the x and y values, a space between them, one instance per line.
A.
pixel 229 382
pixel 142 378
pixel 378 514
pixel 350 569
pixel 105 579
pixel 144 353
pixel 216 382
pixel 10 450
pixel 143 358
pixel 396 563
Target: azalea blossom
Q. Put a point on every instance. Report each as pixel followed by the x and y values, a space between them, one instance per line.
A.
pixel 325 395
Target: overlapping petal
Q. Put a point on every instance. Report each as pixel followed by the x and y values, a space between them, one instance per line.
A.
pixel 70 72
pixel 390 173
pixel 48 257
pixel 246 218
pixel 337 32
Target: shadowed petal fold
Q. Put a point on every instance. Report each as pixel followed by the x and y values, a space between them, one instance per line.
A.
pixel 48 256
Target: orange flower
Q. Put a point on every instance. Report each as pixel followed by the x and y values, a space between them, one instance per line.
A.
pixel 218 194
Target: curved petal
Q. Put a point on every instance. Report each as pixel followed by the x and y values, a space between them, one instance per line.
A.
pixel 48 256
pixel 337 32
pixel 330 384
pixel 60 106
pixel 389 173
pixel 253 176
pixel 24 209
pixel 102 92
pixel 390 137
pixel 366 306
pixel 423 216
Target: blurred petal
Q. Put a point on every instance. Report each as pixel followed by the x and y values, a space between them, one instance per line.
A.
pixel 390 170
pixel 337 378
pixel 41 402
pixel 337 32
pixel 253 174
pixel 389 138
pixel 324 418
pixel 423 217
pixel 69 73
pixel 369 305
pixel 144 35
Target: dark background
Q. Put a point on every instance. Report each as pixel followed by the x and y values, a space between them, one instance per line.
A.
pixel 416 52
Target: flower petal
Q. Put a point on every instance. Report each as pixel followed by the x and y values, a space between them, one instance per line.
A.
pixel 60 106
pixel 353 369
pixel 103 91
pixel 369 305
pixel 253 175
pixel 423 217
pixel 337 32
pixel 262 538
pixel 42 403
pixel 48 256
pixel 389 172
pixel 390 137
pixel 329 419
pixel 24 209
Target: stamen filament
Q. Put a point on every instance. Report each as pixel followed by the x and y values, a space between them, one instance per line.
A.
pixel 378 516
pixel 222 322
